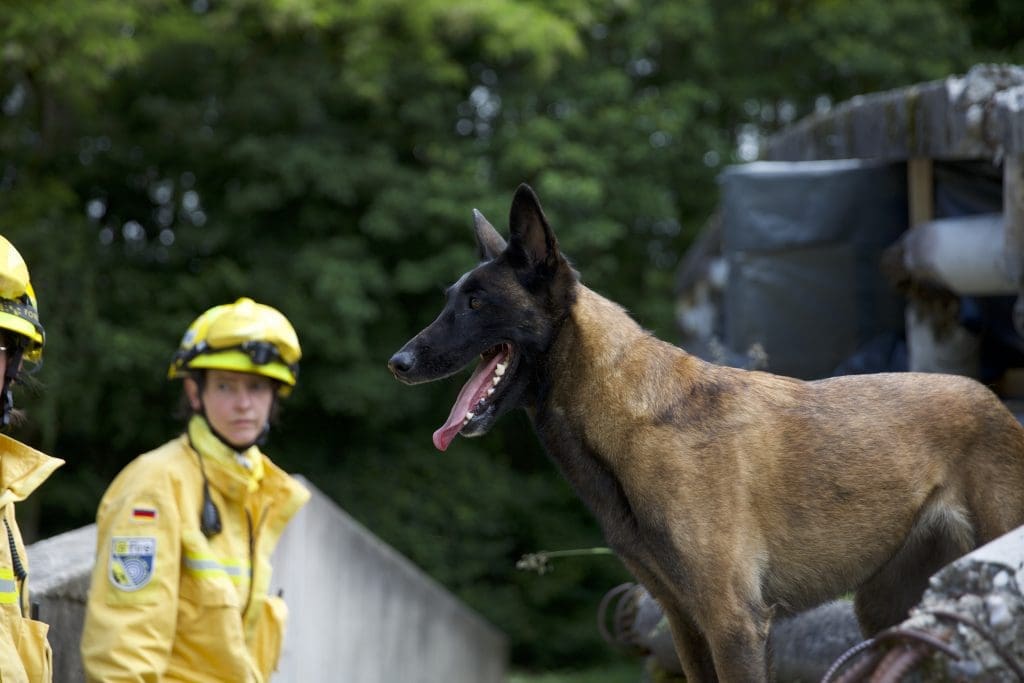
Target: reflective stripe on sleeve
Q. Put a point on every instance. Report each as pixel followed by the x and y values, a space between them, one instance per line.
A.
pixel 206 566
pixel 8 587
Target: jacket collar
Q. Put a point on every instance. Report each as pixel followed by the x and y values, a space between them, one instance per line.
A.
pixel 234 481
pixel 289 496
pixel 223 465
pixel 22 469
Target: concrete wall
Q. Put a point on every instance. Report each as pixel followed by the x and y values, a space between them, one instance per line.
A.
pixel 60 569
pixel 359 611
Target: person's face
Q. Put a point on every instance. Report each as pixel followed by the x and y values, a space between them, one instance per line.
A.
pixel 237 404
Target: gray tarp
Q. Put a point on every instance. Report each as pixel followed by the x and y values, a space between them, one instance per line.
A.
pixel 803 243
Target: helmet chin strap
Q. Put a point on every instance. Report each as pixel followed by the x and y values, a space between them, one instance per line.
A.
pixel 264 433
pixel 10 375
pixel 260 439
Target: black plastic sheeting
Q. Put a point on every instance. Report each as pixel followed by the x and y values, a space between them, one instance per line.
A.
pixel 803 242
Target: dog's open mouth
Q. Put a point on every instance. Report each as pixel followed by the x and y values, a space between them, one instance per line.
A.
pixel 476 395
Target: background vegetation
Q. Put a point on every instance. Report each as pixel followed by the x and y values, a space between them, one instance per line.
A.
pixel 158 157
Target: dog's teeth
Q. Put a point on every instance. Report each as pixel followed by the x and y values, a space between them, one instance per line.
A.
pixel 499 369
pixel 495 381
pixel 469 416
pixel 491 390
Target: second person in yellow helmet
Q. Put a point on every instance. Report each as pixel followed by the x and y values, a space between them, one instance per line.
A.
pixel 185 532
pixel 24 651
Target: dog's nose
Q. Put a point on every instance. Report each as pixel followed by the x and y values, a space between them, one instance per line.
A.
pixel 400 363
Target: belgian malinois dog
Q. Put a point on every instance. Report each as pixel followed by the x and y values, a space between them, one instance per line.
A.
pixel 730 494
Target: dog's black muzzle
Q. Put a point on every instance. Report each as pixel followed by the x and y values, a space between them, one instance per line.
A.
pixel 401 363
pixel 419 362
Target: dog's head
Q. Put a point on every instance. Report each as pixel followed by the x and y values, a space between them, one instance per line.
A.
pixel 506 311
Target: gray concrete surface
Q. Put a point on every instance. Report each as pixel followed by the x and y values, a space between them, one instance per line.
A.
pixel 355 602
pixel 974 116
pixel 359 611
pixel 976 606
pixel 59 572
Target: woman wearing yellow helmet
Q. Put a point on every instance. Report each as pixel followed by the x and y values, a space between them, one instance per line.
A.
pixel 24 651
pixel 193 524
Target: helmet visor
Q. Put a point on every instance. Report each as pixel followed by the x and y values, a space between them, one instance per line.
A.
pixel 240 361
pixel 285 349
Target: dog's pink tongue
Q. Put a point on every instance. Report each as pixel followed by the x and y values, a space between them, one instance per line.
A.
pixel 471 392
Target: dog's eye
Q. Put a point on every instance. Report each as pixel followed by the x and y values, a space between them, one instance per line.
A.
pixel 475 303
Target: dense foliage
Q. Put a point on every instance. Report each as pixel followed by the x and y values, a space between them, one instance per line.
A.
pixel 161 156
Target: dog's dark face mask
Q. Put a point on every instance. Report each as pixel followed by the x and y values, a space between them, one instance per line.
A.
pixel 506 311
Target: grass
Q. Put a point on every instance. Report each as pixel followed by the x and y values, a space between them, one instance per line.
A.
pixel 620 672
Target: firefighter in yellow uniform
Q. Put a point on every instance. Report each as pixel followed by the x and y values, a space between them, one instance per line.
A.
pixel 24 651
pixel 185 532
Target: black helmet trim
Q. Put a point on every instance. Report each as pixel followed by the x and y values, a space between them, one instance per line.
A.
pixel 25 311
pixel 259 352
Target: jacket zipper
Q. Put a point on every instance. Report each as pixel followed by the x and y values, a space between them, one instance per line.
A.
pixel 252 551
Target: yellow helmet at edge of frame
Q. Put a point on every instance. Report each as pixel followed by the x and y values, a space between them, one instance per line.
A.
pixel 19 311
pixel 244 337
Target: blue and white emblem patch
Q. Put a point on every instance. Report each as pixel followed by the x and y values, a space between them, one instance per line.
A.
pixel 132 561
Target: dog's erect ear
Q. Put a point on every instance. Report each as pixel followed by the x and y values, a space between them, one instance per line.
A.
pixel 488 242
pixel 532 242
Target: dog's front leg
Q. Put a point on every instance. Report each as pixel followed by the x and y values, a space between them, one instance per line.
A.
pixel 738 640
pixel 691 648
pixel 733 650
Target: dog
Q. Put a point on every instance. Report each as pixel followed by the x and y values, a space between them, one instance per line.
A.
pixel 730 494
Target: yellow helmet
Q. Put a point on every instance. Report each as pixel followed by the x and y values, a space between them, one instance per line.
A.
pixel 243 337
pixel 18 310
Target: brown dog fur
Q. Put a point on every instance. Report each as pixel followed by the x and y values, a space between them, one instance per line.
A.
pixel 731 494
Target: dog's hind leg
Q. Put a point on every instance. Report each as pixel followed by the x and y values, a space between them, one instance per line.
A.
pixel 941 534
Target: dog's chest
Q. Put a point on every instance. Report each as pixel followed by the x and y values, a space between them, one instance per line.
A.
pixel 593 480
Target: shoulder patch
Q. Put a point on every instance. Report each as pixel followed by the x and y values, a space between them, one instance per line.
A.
pixel 132 561
pixel 144 514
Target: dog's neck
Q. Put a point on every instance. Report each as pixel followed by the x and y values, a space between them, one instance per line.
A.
pixel 603 361
pixel 602 332
pixel 600 344
pixel 594 381
pixel 588 340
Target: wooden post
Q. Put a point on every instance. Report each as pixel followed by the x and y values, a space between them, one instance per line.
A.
pixel 928 350
pixel 1013 225
pixel 920 191
pixel 1013 216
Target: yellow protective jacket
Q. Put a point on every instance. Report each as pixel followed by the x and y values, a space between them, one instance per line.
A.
pixel 167 603
pixel 24 651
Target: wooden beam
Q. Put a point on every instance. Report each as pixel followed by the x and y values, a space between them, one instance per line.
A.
pixel 920 191
pixel 1013 216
